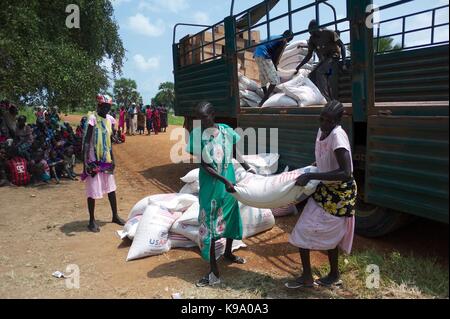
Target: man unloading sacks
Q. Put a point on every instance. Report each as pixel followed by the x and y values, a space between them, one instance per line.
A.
pixel 329 47
pixel 267 57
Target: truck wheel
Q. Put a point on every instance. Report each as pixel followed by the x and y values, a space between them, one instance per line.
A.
pixel 374 221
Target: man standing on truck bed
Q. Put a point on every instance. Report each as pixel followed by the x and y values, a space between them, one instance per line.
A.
pixel 267 57
pixel 329 48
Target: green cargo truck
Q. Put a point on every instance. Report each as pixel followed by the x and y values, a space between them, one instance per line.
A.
pixel 396 108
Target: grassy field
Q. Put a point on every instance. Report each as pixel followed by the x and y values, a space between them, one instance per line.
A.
pixel 401 277
pixel 29 113
pixel 31 118
pixel 176 120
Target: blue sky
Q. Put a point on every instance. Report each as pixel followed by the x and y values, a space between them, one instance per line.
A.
pixel 146 29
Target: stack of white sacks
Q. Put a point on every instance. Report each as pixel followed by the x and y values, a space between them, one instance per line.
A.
pixel 160 222
pixel 295 90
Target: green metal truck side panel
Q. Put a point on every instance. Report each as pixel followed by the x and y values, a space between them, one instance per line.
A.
pixel 296 135
pixel 204 82
pixel 363 96
pixel 416 75
pixel 407 165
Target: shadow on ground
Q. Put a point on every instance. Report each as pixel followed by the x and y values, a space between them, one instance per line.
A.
pixel 235 281
pixel 70 229
pixel 167 177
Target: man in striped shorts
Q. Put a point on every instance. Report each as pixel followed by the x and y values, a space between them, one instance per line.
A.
pixel 267 56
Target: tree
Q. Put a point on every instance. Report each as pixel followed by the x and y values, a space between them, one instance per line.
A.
pixel 385 45
pixel 125 92
pixel 43 61
pixel 165 95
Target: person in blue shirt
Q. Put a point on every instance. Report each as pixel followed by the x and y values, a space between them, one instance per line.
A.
pixel 267 57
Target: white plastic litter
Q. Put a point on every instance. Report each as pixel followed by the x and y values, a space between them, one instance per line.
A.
pixel 280 100
pixel 152 235
pixel 274 191
pixel 58 274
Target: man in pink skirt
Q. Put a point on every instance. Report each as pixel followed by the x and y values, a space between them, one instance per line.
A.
pixel 99 163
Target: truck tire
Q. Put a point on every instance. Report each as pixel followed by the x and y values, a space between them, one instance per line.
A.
pixel 374 221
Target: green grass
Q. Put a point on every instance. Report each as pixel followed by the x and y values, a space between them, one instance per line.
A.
pixel 401 276
pixel 29 113
pixel 176 120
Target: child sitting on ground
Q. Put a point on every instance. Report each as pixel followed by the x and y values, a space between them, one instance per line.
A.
pixel 39 168
pixel 56 165
pixel 17 167
pixel 69 163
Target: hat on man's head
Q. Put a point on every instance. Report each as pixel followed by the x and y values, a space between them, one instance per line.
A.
pixel 104 99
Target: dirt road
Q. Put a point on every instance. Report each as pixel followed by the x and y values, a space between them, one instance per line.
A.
pixel 44 229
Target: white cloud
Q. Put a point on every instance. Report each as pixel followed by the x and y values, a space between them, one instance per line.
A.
pixel 201 18
pixel 119 2
pixel 142 25
pixel 174 6
pixel 146 64
pixel 107 64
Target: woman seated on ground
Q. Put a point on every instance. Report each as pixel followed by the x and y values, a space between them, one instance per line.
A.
pixel 39 168
pixel 327 221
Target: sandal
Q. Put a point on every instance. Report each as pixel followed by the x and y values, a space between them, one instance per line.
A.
pixel 208 280
pixel 236 259
pixel 299 283
pixel 329 282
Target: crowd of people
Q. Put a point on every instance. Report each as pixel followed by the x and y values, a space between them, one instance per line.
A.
pixel 36 153
pixel 47 150
pixel 136 119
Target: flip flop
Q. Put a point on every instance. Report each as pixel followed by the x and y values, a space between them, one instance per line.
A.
pixel 209 280
pixel 94 229
pixel 299 283
pixel 236 260
pixel 327 282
